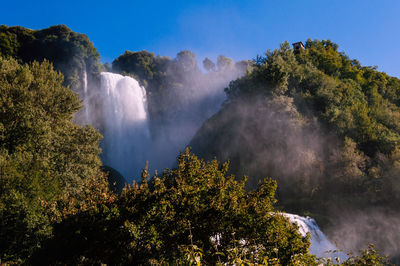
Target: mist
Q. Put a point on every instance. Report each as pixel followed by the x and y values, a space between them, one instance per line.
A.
pixel 195 102
pixel 354 229
pixel 152 125
pixel 266 136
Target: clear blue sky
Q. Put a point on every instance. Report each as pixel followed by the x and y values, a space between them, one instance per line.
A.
pixel 365 29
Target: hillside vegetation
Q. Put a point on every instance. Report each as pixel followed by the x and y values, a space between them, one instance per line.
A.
pixel 325 127
pixel 46 160
pixel 70 52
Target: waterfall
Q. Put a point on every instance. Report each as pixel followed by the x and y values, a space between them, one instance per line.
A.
pixel 320 245
pixel 124 124
pixel 118 109
pixel 85 96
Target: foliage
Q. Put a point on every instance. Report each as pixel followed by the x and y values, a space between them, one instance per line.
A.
pixel 70 52
pixel 325 127
pixel 140 63
pixel 194 211
pixel 369 256
pixel 192 215
pixel 44 156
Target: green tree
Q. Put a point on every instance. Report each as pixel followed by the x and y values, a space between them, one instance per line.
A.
pixel 160 219
pixel 140 63
pixel 44 156
pixel 70 52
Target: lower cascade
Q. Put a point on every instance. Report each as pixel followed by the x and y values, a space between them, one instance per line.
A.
pixel 124 123
pixel 320 245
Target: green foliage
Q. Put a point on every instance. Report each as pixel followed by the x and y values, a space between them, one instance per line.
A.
pixel 369 256
pixel 192 215
pixel 141 63
pixel 325 127
pixel 70 52
pixel 338 91
pixel 194 212
pixel 9 44
pixel 36 115
pixel 23 224
pixel 44 156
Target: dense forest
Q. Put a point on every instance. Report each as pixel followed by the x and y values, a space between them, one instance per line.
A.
pixel 312 125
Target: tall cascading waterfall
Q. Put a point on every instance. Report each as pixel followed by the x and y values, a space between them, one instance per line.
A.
pixel 123 121
pixel 119 110
pixel 320 245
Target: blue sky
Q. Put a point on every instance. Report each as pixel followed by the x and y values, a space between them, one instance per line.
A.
pixel 365 29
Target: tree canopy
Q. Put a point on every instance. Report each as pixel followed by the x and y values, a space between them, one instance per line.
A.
pixel 196 208
pixel 44 156
pixel 70 52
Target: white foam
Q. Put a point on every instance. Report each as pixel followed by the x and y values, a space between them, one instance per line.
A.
pixel 320 245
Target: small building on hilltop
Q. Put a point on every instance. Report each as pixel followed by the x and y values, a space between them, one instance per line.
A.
pixel 298 46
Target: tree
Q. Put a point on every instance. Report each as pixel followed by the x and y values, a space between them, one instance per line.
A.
pixel 70 52
pixel 187 61
pixel 208 64
pixel 224 63
pixel 196 206
pixel 244 65
pixel 44 156
pixel 140 63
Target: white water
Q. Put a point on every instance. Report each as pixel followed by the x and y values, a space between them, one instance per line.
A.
pixel 85 97
pixel 320 245
pixel 124 124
